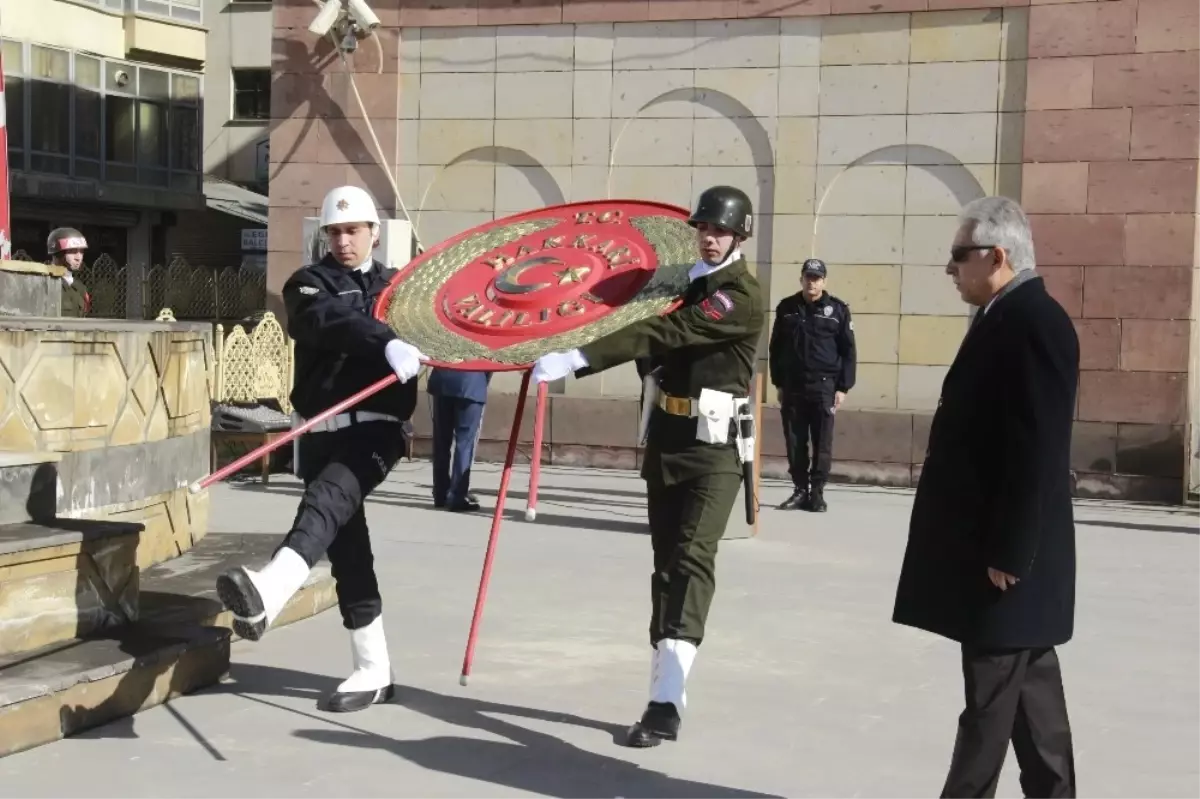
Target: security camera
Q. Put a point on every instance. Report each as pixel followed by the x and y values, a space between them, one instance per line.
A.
pixel 363 14
pixel 330 10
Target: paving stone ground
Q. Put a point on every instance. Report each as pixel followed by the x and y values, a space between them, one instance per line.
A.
pixel 803 688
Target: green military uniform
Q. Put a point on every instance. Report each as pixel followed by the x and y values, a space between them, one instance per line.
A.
pixel 691 485
pixel 75 299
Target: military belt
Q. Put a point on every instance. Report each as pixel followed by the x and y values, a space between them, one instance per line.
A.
pixel 678 406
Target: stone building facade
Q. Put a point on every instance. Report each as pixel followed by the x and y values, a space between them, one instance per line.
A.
pixel 858 129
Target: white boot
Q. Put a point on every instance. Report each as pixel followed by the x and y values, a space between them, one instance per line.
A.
pixel 258 597
pixel 669 667
pixel 371 680
pixel 672 663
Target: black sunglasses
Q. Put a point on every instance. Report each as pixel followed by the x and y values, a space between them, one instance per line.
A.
pixel 959 254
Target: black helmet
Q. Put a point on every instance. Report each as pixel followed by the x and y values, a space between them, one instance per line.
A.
pixel 63 239
pixel 727 207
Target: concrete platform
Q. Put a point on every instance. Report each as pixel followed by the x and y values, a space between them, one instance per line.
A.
pixel 803 687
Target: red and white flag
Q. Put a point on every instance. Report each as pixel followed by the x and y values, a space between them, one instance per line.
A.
pixel 5 230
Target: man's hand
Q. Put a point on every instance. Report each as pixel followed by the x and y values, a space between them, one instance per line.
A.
pixel 555 365
pixel 838 398
pixel 779 394
pixel 404 358
pixel 1001 579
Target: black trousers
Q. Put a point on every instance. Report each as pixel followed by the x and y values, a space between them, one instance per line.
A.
pixel 687 521
pixel 340 469
pixel 808 416
pixel 1012 695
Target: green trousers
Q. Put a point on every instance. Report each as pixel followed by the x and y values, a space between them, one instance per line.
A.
pixel 687 521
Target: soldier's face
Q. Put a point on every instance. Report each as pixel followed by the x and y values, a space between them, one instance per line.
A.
pixel 714 242
pixel 73 259
pixel 351 243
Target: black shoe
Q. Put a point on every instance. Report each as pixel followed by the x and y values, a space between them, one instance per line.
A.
pixel 463 506
pixel 816 500
pixel 659 723
pixel 358 700
pixel 243 600
pixel 796 500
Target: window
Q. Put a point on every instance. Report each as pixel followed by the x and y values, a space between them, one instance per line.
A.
pixel 50 93
pixel 252 94
pixel 14 100
pixel 184 10
pixel 101 119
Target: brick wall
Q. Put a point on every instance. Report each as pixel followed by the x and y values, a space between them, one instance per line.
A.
pixel 1111 139
pixel 1110 144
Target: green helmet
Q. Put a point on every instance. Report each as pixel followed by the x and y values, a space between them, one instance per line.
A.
pixel 725 207
pixel 63 239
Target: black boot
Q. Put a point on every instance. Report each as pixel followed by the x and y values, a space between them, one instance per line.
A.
pixel 797 500
pixel 816 499
pixel 659 723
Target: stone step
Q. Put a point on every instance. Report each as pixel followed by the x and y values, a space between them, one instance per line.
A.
pixel 28 486
pixel 65 579
pixel 179 644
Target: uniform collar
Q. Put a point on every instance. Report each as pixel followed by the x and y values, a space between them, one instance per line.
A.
pixel 703 268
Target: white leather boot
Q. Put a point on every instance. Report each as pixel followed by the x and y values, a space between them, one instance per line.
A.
pixel 256 598
pixel 670 665
pixel 371 680
pixel 673 664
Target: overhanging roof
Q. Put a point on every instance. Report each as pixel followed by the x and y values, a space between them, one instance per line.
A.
pixel 230 198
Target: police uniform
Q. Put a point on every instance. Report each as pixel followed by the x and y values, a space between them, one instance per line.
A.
pixel 692 471
pixel 76 301
pixel 340 350
pixel 812 356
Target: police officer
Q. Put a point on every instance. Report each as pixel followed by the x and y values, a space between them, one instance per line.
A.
pixel 691 464
pixel 813 363
pixel 340 349
pixel 66 246
pixel 458 401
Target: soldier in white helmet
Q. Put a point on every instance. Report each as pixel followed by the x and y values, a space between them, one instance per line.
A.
pixel 340 350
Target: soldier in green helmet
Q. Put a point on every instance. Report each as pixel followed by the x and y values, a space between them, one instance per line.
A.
pixel 65 246
pixel 703 354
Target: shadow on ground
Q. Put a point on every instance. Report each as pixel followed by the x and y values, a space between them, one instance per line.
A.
pixel 528 760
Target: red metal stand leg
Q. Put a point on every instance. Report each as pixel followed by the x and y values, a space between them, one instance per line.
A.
pixel 497 516
pixel 535 464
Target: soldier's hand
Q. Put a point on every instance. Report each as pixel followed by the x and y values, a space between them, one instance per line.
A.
pixel 779 394
pixel 556 365
pixel 404 358
pixel 838 398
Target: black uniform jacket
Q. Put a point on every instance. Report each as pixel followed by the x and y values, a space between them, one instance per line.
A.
pixel 995 486
pixel 711 341
pixel 811 341
pixel 339 344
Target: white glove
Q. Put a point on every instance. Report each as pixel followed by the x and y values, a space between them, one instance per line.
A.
pixel 404 358
pixel 554 365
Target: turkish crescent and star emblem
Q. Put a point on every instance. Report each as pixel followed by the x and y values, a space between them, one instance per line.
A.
pixel 502 294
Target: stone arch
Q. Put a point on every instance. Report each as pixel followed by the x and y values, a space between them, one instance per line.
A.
pixel 540 178
pixel 759 141
pixel 959 180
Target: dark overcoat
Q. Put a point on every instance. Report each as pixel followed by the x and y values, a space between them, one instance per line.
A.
pixel 995 486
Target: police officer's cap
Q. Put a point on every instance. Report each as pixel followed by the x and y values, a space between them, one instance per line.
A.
pixel 725 207
pixel 815 266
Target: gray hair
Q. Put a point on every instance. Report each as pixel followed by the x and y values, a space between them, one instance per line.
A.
pixel 1000 222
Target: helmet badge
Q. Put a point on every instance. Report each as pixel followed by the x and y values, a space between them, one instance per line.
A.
pixel 343 205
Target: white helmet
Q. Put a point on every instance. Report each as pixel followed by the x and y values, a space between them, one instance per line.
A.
pixel 348 204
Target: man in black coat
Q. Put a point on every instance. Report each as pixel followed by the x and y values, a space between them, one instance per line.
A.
pixel 990 561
